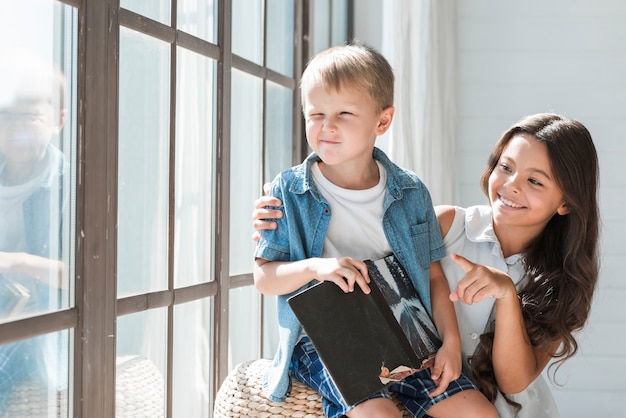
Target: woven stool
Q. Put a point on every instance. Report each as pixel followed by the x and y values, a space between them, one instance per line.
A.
pixel 241 396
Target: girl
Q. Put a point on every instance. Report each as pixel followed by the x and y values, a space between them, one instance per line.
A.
pixel 524 268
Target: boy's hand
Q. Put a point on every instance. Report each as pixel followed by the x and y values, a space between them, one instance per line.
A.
pixel 343 271
pixel 480 282
pixel 447 368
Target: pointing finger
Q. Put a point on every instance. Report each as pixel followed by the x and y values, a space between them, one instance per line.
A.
pixel 462 262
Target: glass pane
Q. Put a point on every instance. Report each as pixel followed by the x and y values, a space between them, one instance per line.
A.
pixel 141 364
pixel 158 10
pixel 194 168
pixel 280 32
pixel 37 154
pixel 244 325
pixel 193 359
pixel 248 30
pixel 278 129
pixel 270 328
pixel 35 376
pixel 245 182
pixel 37 199
pixel 198 18
pixel 321 25
pixel 143 170
pixel 340 20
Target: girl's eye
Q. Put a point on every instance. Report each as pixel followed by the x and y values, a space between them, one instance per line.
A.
pixel 345 113
pixel 535 182
pixel 505 168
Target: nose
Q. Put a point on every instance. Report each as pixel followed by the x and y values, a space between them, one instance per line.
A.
pixel 512 183
pixel 329 125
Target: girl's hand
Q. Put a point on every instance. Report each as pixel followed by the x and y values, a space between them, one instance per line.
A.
pixel 480 282
pixel 447 368
pixel 343 271
pixel 261 214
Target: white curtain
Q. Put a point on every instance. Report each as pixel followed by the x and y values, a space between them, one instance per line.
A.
pixel 419 38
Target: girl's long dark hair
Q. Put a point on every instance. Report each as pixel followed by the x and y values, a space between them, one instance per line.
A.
pixel 562 263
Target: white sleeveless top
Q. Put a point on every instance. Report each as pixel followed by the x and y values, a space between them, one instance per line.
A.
pixel 472 236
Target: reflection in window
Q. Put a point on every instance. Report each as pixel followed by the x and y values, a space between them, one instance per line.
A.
pixel 34 382
pixel 143 182
pixel 37 182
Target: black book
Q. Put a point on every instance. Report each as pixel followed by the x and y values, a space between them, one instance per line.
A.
pixel 368 341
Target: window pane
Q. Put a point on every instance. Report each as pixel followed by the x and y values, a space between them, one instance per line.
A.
pixel 280 32
pixel 194 168
pixel 245 157
pixel 143 176
pixel 278 129
pixel 158 10
pixel 244 326
pixel 37 148
pixel 248 29
pixel 193 359
pixel 37 198
pixel 339 26
pixel 35 375
pixel 270 329
pixel 321 25
pixel 140 364
pixel 198 18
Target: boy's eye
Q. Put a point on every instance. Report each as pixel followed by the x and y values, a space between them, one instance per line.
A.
pixel 346 113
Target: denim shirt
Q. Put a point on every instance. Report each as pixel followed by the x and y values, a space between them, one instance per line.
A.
pixel 409 223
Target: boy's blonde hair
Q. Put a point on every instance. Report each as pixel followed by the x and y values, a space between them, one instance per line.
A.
pixel 352 66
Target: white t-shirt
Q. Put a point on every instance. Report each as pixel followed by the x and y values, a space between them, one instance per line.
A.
pixel 356 224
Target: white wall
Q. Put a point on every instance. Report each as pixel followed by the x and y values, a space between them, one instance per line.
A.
pixel 566 56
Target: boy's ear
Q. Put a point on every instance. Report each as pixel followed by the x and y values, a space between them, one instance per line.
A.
pixel 384 120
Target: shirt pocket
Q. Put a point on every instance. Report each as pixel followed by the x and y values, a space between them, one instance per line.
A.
pixel 421 243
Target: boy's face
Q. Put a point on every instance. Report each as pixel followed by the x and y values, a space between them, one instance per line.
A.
pixel 342 126
pixel 26 128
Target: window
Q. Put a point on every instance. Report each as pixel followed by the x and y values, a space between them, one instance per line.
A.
pixel 172 116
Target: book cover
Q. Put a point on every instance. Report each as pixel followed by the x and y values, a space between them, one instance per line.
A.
pixel 368 341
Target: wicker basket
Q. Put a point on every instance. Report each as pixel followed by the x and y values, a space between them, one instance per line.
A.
pixel 241 396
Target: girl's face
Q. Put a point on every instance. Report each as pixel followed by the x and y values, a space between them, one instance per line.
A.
pixel 522 189
pixel 342 126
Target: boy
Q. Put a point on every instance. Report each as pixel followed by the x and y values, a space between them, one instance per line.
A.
pixel 348 202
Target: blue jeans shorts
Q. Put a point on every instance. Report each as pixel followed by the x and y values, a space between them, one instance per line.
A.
pixel 307 368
